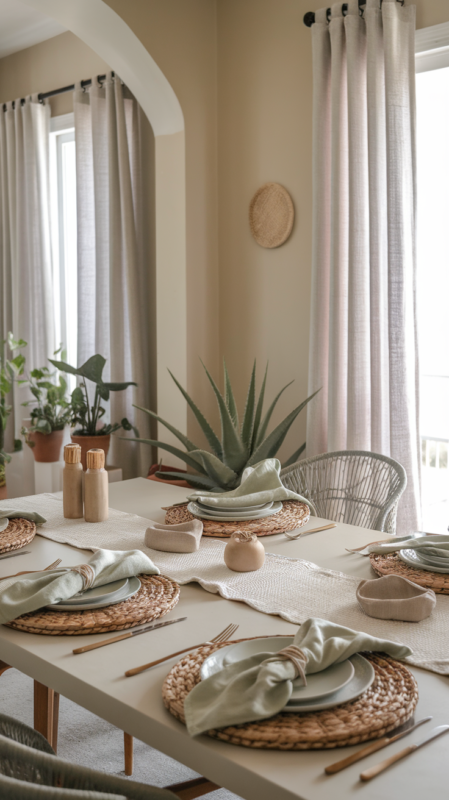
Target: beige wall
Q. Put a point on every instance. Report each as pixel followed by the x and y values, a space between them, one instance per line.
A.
pixel 49 65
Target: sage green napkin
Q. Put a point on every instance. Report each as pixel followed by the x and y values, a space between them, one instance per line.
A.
pixel 7 514
pixel 260 686
pixel 434 545
pixel 260 484
pixel 27 593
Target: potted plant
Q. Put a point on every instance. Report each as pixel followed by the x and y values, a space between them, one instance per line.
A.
pixel 84 414
pixel 242 445
pixel 10 369
pixel 50 415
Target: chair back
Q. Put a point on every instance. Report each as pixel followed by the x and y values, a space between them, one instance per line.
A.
pixel 356 487
pixel 19 732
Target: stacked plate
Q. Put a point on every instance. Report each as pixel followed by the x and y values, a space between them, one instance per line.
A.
pixel 420 560
pixel 337 684
pixel 225 514
pixel 100 596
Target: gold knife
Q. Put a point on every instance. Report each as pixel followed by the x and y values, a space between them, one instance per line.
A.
pixel 391 737
pixel 373 771
pixel 16 553
pixel 127 635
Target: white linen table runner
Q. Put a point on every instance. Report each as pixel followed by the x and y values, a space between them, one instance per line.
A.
pixel 293 589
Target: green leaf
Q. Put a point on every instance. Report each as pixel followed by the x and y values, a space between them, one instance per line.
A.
pixel 187 457
pixel 14 344
pixel 248 418
pixel 198 481
pixel 229 397
pixel 46 385
pixel 209 433
pixel 272 443
pixel 18 364
pixel 61 365
pixel 293 459
pixel 93 368
pixel 267 417
pixel 103 391
pixel 258 415
pixel 234 451
pixel 186 442
pixel 219 473
pixel 118 387
pixel 77 397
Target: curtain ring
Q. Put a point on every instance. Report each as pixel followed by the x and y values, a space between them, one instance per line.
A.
pixel 328 15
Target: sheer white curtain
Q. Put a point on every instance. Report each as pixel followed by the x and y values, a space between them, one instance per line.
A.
pixel 113 271
pixel 363 350
pixel 26 305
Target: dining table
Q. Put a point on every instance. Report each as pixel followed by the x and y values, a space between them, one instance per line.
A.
pixel 96 679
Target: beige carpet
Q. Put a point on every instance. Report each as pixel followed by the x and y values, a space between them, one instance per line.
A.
pixel 88 740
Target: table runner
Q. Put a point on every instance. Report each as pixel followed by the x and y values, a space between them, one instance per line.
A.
pixel 291 588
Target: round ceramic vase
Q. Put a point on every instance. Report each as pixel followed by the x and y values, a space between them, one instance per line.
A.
pixel 244 552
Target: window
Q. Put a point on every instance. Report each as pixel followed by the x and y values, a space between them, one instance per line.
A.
pixel 432 101
pixel 64 240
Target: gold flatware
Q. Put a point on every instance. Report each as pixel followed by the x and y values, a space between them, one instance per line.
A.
pixel 16 553
pixel 31 571
pixel 221 637
pixel 127 635
pixel 313 530
pixel 373 771
pixel 391 737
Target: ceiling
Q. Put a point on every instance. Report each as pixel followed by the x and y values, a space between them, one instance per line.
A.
pixel 22 26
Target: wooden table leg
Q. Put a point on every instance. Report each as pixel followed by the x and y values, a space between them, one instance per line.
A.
pixel 46 708
pixel 129 753
pixel 3 667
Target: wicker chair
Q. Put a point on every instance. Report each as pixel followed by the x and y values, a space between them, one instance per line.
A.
pixel 30 770
pixel 356 487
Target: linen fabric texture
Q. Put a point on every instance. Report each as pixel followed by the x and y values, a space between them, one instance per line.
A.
pixel 395 597
pixel 32 516
pixel 183 537
pixel 114 251
pixel 27 593
pixel 260 686
pixel 260 484
pixel 26 283
pixel 363 339
pixel 435 545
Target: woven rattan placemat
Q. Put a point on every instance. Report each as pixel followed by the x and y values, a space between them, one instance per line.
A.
pixel 292 515
pixel 156 597
pixel 389 702
pixel 390 563
pixel 18 533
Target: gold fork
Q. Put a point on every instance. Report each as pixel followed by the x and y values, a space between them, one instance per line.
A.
pixel 220 637
pixel 30 571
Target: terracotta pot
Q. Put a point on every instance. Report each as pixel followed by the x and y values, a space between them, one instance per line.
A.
pixel 89 443
pixel 3 493
pixel 162 468
pixel 47 446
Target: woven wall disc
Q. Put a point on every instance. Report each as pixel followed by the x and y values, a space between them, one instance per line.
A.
pixel 390 563
pixel 271 215
pixel 18 533
pixel 293 514
pixel 389 702
pixel 156 597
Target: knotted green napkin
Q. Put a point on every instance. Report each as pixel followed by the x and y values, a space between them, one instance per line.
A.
pixel 7 514
pixel 260 484
pixel 260 686
pixel 27 593
pixel 434 545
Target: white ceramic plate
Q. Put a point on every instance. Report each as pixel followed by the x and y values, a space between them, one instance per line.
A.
pixel 97 593
pixel 130 587
pixel 338 684
pixel 230 515
pixel 412 558
pixel 226 509
pixel 236 516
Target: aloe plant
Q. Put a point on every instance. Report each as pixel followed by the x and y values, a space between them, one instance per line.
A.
pixel 242 444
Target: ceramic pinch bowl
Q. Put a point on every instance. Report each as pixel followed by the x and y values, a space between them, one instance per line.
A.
pixel 395 597
pixel 244 552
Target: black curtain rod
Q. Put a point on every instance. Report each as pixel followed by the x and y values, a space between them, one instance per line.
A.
pixel 309 18
pixel 43 95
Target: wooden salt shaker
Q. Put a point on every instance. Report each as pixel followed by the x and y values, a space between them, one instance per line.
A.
pixel 96 487
pixel 72 482
pixel 244 552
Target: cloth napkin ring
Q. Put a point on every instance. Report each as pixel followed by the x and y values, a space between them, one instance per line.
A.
pixel 299 660
pixel 87 573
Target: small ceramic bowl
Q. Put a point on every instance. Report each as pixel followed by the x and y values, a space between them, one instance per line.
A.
pixel 394 597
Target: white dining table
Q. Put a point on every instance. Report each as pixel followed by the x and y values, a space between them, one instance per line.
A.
pixel 96 681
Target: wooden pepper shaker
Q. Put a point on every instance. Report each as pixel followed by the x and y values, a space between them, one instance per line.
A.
pixel 244 552
pixel 96 487
pixel 72 482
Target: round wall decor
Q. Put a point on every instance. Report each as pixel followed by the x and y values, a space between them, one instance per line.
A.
pixel 271 215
